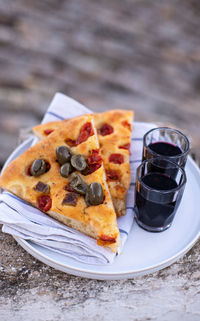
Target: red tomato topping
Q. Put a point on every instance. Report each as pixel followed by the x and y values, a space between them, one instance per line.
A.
pixel 70 142
pixel 47 166
pixel 94 157
pixel 108 238
pixel 94 161
pixel 111 174
pixel 93 168
pixel 48 131
pixel 116 158
pixel 44 203
pixel 126 124
pixel 29 171
pixel 85 132
pixel 106 129
pixel 126 146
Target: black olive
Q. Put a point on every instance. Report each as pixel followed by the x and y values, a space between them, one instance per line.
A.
pixel 38 167
pixel 81 188
pixel 78 162
pixel 87 199
pixel 95 194
pixel 75 179
pixel 42 187
pixel 86 170
pixel 70 199
pixel 66 169
pixel 63 154
pixel 78 184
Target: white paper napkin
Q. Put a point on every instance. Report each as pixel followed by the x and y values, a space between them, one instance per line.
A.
pixel 22 220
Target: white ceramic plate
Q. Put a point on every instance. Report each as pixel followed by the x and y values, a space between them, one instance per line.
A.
pixel 144 252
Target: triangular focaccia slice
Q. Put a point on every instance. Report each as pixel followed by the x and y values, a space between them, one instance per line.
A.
pixel 61 201
pixel 114 134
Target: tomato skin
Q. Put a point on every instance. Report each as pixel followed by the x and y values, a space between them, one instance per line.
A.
pixel 106 238
pixel 29 171
pixel 44 203
pixel 95 157
pixel 125 146
pixel 48 131
pixel 105 130
pixel 112 175
pixel 85 132
pixel 126 124
pixel 70 142
pixel 48 166
pixel 93 168
pixel 94 161
pixel 116 158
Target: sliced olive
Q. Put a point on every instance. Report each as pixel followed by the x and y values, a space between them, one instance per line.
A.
pixel 42 187
pixel 87 199
pixel 78 162
pixel 66 169
pixel 81 188
pixel 75 179
pixel 38 167
pixel 63 154
pixel 95 194
pixel 86 170
pixel 78 184
pixel 70 199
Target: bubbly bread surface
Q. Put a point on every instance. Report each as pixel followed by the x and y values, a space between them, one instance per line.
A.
pixel 114 130
pixel 96 221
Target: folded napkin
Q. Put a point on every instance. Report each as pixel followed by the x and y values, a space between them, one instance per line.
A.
pixel 24 221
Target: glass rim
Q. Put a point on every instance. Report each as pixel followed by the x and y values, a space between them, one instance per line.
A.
pixel 174 130
pixel 160 190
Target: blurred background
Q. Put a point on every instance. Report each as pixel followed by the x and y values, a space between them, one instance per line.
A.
pixel 137 54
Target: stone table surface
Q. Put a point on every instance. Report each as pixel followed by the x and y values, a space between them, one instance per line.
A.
pixel 137 54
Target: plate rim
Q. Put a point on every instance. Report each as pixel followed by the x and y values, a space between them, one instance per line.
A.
pixel 90 273
pixel 104 275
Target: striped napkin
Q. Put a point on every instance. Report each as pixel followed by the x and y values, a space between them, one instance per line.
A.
pixel 24 221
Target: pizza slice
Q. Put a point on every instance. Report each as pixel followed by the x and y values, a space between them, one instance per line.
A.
pixel 114 129
pixel 64 177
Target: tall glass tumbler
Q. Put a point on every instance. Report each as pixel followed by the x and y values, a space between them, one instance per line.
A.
pixel 167 142
pixel 157 194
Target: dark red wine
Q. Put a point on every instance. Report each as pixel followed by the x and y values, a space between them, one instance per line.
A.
pixel 165 149
pixel 159 211
pixel 159 181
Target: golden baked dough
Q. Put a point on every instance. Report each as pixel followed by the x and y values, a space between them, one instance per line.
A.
pixel 116 142
pixel 96 221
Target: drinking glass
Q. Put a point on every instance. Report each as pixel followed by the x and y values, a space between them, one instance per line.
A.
pixel 158 194
pixel 167 142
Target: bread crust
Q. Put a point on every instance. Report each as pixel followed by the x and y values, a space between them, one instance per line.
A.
pixel 121 121
pixel 94 220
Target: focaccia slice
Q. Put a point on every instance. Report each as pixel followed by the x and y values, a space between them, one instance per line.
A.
pixel 53 194
pixel 114 129
pixel 114 133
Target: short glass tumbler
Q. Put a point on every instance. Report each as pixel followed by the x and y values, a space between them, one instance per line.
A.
pixel 167 142
pixel 158 194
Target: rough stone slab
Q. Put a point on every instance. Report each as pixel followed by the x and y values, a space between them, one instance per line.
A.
pixel 30 290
